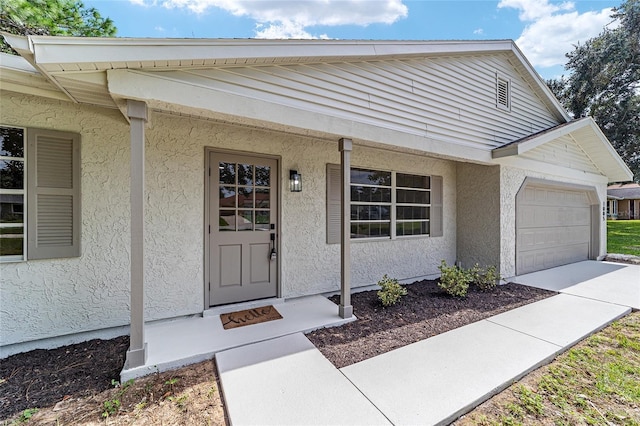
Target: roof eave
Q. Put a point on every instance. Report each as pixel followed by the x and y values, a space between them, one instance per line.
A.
pixel 49 48
pixel 622 172
pixel 541 84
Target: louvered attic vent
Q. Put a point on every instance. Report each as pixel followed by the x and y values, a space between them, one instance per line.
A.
pixel 503 93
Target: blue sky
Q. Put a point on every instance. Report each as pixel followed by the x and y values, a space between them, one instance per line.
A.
pixel 544 29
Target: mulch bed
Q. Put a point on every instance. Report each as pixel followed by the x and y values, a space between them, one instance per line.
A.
pixel 424 312
pixel 41 377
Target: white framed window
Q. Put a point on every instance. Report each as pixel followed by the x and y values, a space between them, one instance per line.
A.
pixel 39 194
pixel 12 193
pixel 385 204
pixel 503 92
pixel 371 203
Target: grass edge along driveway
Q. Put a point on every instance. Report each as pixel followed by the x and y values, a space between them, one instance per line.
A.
pixel 623 237
pixel 596 382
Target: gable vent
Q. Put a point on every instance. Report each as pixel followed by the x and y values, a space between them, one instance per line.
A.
pixel 503 93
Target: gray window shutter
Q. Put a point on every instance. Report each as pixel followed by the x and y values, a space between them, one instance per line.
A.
pixel 53 194
pixel 333 203
pixel 435 225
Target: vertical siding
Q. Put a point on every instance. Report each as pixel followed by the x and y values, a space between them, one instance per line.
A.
pixel 452 99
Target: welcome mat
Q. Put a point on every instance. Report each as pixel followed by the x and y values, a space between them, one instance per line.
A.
pixel 249 317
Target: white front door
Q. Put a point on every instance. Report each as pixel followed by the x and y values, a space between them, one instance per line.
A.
pixel 243 262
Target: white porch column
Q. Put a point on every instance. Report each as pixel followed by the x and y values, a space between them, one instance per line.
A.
pixel 137 354
pixel 345 309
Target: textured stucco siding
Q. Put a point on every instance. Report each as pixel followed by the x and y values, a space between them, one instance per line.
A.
pixel 48 298
pixel 44 298
pixel 478 207
pixel 511 179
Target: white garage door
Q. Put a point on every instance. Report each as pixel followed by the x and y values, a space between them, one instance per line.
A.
pixel 553 227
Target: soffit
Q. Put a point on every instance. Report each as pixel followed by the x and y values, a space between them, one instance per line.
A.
pixel 18 76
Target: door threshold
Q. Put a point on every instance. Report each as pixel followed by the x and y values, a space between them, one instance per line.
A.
pixel 224 309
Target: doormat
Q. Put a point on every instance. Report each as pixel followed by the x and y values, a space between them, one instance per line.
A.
pixel 249 317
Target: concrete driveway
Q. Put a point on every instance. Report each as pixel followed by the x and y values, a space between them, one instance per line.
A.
pixel 605 281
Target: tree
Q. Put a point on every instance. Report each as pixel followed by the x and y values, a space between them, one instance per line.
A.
pixel 52 17
pixel 604 82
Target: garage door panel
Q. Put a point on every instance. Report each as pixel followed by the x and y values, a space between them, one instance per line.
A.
pixel 536 216
pixel 552 237
pixel 535 260
pixel 553 227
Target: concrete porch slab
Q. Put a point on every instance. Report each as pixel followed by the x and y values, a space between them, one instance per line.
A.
pixel 605 281
pixel 173 344
pixel 287 381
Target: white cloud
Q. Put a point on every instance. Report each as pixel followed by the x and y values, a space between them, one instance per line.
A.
pixel 143 2
pixel 531 10
pixel 287 18
pixel 159 29
pixel 282 30
pixel 478 31
pixel 554 29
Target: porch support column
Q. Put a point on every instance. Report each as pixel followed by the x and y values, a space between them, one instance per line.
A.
pixel 345 310
pixel 137 353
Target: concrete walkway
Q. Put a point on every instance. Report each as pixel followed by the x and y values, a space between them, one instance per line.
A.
pixel 606 281
pixel 288 381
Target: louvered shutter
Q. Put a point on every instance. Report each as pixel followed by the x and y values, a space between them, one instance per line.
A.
pixel 334 211
pixel 435 225
pixel 53 194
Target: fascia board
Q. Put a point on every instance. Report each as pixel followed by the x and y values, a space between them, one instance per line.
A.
pixel 521 148
pixel 25 47
pixel 20 44
pixel 165 94
pixel 55 50
pixel 624 174
pixel 539 83
pixel 538 166
pixel 617 170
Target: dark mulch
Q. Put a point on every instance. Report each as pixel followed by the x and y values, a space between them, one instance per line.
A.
pixel 424 312
pixel 41 378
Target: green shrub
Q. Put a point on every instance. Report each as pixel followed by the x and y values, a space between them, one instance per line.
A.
pixel 391 291
pixel 453 280
pixel 487 279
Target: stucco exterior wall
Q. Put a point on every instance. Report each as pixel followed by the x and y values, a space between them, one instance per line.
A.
pixel 44 298
pixel 478 207
pixel 48 298
pixel 512 177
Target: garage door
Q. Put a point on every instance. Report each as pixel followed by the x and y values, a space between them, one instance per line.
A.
pixel 553 227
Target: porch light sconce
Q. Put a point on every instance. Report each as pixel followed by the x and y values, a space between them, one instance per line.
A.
pixel 295 181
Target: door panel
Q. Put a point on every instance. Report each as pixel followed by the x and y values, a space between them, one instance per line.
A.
pixel 243 212
pixel 228 256
pixel 553 228
pixel 259 269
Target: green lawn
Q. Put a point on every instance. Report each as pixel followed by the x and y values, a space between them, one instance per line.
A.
pixel 597 382
pixel 623 237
